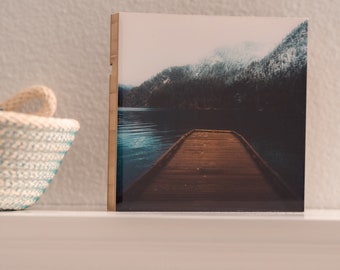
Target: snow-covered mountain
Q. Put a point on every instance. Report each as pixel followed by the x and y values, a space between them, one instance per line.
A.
pixel 287 58
pixel 227 61
pixel 279 76
pixel 238 77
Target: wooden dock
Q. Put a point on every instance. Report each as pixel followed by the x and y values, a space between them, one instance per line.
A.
pixel 210 170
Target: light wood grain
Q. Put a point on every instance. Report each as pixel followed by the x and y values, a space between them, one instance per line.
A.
pixel 113 114
pixel 210 170
pixel 114 36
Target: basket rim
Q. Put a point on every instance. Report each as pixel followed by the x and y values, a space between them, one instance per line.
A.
pixel 30 121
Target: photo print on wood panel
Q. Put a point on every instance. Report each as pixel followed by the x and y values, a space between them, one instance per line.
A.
pixel 211 113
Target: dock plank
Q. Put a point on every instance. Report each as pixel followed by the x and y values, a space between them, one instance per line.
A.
pixel 210 170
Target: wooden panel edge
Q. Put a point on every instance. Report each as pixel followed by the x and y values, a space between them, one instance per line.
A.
pixel 114 34
pixel 112 149
pixel 113 115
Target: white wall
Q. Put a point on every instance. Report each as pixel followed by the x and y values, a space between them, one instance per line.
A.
pixel 65 45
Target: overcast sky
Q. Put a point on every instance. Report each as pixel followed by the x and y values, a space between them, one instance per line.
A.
pixel 149 43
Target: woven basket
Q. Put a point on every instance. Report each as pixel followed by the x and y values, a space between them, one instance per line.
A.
pixel 32 146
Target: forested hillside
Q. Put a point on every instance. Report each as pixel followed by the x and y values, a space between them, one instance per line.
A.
pixel 234 79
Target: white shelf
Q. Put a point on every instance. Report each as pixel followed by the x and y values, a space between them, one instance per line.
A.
pixel 107 240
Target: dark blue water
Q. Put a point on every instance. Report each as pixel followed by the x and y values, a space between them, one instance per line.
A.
pixel 144 134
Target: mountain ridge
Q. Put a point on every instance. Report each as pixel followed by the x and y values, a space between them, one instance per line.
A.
pixel 248 84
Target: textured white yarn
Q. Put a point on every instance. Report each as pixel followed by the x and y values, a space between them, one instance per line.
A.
pixel 42 136
pixel 29 165
pixel 32 146
pixel 38 92
pixel 13 119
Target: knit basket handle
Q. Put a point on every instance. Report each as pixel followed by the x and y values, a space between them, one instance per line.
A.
pixel 41 98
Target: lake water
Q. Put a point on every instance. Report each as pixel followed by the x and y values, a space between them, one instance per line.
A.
pixel 144 134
